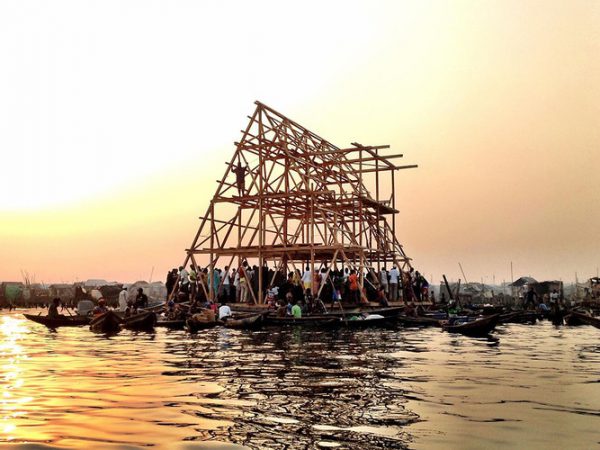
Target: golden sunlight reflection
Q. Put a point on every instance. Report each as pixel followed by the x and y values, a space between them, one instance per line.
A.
pixel 11 355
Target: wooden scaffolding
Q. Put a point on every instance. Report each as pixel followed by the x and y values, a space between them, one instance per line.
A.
pixel 290 198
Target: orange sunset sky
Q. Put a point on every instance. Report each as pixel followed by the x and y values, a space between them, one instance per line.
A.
pixel 116 118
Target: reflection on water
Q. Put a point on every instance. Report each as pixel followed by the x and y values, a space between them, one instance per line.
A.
pixel 13 402
pixel 529 387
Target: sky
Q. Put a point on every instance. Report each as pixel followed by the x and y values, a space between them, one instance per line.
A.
pixel 116 118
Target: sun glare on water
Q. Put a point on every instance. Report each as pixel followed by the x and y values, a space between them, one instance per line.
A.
pixel 11 355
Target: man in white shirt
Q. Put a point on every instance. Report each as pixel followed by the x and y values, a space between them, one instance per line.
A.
pixel 184 279
pixel 394 277
pixel 123 299
pixel 227 283
pixel 224 311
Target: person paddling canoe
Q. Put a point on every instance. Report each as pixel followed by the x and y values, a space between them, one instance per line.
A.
pixel 53 309
pixel 101 308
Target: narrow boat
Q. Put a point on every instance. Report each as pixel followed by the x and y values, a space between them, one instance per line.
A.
pixel 420 321
pixel 171 324
pixel 366 322
pixel 63 321
pixel 522 317
pixel 154 306
pixel 577 318
pixel 246 323
pixel 106 323
pixel 193 325
pixel 311 321
pixel 477 327
pixel 141 322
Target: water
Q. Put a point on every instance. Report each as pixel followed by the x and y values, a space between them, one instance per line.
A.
pixel 528 387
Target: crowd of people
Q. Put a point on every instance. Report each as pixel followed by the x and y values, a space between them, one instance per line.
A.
pixel 326 285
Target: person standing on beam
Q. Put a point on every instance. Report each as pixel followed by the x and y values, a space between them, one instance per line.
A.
pixel 240 177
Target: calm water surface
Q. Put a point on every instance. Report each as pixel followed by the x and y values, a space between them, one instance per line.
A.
pixel 527 387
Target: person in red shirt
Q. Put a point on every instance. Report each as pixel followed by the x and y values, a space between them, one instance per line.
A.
pixel 353 286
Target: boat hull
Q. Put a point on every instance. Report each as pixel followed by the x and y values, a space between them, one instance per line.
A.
pixel 140 322
pixel 66 321
pixel 194 326
pixel 409 321
pixel 478 327
pixel 577 318
pixel 171 324
pixel 107 323
pixel 245 323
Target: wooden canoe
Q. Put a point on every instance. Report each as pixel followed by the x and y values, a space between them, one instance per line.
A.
pixel 194 325
pixel 171 324
pixel 519 317
pixel 246 323
pixel 310 321
pixel 477 327
pixel 140 322
pixel 577 318
pixel 366 323
pixel 106 323
pixel 420 321
pixel 63 321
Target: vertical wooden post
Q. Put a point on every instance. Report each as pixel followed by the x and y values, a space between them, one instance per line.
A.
pixel 211 274
pixel 378 238
pixel 261 217
pixel 393 202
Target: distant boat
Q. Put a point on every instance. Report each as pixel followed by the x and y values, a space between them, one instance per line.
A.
pixel 477 327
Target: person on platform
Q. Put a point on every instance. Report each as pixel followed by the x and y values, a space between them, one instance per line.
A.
pixel 383 280
pixel 170 281
pixel 297 278
pixel 394 278
pixel 307 279
pixel 226 284
pixel 236 284
pixel 353 287
pixel 382 298
pixel 184 280
pixel 243 282
pixel 193 282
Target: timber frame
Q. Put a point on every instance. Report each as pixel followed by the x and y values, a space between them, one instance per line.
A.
pixel 304 202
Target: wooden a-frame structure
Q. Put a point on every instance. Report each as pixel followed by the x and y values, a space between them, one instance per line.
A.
pixel 290 198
